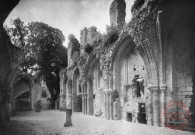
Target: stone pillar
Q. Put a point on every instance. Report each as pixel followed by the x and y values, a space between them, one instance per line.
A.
pixel 106 98
pixel 69 95
pixel 107 105
pixel 62 92
pixel 83 104
pixel 149 108
pixel 110 105
pixel 156 105
pixel 89 99
pixel 163 89
pixel 69 106
pixel 84 99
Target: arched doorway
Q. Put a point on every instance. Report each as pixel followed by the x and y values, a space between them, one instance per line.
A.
pixel 22 95
pixel 93 93
pixel 129 81
pixel 76 92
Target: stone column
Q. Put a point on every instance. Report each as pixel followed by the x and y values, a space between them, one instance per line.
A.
pixel 105 105
pixel 83 104
pixel 86 104
pixel 107 93
pixel 149 108
pixel 110 105
pixel 62 94
pixel 106 98
pixel 69 95
pixel 163 89
pixel 84 99
pixel 89 99
pixel 69 106
pixel 156 105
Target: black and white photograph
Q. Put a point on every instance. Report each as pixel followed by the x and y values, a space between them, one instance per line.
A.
pixel 97 67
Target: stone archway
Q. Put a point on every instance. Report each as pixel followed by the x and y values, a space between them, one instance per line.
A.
pixel 130 77
pixel 22 95
pixel 93 92
pixel 76 92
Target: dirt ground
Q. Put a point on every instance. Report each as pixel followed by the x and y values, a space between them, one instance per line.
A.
pixel 51 123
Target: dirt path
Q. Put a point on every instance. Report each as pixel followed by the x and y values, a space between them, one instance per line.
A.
pixel 51 123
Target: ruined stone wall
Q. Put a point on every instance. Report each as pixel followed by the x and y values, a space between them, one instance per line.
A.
pixel 161 34
pixel 98 90
pixel 5 65
pixel 89 36
pixel 73 52
pixel 40 92
pixel 63 80
pixel 178 25
pixel 117 13
pixel 165 28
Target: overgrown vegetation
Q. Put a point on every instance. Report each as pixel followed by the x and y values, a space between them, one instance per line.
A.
pixel 43 50
pixel 112 34
pixel 137 5
pixel 75 43
pixel 88 48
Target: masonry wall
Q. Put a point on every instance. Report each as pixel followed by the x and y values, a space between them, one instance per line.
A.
pixel 62 90
pixel 98 90
pixel 89 36
pixel 5 66
pixel 117 13
pixel 162 33
pixel 179 44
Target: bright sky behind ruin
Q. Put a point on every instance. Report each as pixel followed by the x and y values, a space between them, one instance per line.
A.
pixel 70 16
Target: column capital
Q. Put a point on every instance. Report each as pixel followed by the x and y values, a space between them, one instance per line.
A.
pixel 127 84
pixel 153 87
pixel 108 91
pixel 163 88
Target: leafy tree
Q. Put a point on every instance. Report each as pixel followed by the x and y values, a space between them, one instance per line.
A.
pixel 43 48
pixel 19 36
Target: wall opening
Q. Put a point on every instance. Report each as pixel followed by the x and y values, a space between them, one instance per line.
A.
pixel 129 117
pixel 142 113
pixel 76 92
pixel 23 102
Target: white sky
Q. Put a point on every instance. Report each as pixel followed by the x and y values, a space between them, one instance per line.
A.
pixel 70 16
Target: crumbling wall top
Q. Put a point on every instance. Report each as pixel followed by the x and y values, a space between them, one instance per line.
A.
pixel 117 13
pixel 88 36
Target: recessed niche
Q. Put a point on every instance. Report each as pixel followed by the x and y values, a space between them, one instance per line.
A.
pixel 129 117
